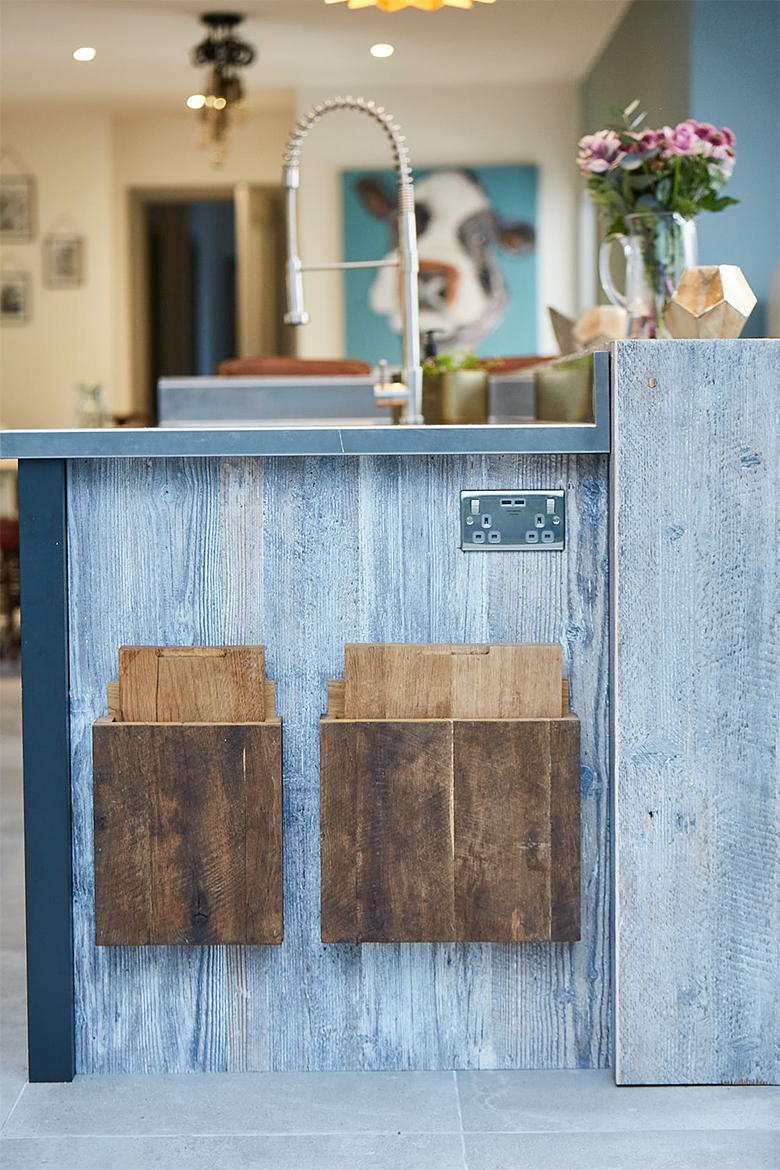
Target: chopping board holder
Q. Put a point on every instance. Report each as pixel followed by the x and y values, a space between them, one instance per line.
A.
pixel 441 819
pixel 188 808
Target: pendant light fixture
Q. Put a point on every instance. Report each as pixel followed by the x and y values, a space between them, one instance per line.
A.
pixel 396 5
pixel 221 100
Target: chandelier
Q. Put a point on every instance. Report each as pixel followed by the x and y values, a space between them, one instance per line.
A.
pixel 221 100
pixel 395 5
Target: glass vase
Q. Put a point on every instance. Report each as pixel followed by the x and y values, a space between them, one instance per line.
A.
pixel 90 408
pixel 656 250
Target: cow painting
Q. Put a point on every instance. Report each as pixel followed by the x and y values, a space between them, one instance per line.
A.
pixel 463 291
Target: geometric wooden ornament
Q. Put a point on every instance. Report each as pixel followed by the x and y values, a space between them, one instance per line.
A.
pixel 600 324
pixel 711 300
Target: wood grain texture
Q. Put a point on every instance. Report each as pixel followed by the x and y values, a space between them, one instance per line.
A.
pixel 122 824
pixel 405 832
pixel 441 831
pixel 336 689
pixel 565 850
pixel 507 682
pixel 188 846
pixel 112 699
pixel 192 684
pixel 302 556
pixel 448 681
pixel 502 830
pixel 696 711
pixel 338 832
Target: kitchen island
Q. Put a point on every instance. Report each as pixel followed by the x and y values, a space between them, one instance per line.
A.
pixel 301 540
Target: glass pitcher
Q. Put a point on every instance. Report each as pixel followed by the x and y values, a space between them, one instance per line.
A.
pixel 90 409
pixel 656 249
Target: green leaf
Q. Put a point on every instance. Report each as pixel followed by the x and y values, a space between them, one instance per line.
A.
pixel 631 162
pixel 643 182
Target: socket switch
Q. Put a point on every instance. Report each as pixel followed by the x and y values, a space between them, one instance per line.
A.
pixel 512 520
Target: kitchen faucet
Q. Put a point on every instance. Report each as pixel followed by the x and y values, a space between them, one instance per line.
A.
pixel 407 260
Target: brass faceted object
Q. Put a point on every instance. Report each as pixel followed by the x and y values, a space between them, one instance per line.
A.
pixel 711 300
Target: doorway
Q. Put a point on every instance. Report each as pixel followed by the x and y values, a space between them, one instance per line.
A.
pixel 192 287
pixel 207 282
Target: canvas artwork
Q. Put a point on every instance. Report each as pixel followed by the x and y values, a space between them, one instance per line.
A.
pixel 63 261
pixel 17 207
pixel 476 231
pixel 15 298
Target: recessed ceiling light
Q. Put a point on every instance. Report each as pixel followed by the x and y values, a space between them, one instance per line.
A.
pixel 382 50
pixel 84 54
pixel 196 102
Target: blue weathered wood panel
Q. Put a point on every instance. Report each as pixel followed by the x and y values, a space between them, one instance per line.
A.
pixel 696 638
pixel 303 555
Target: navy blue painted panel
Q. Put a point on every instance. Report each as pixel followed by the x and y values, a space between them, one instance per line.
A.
pixel 47 807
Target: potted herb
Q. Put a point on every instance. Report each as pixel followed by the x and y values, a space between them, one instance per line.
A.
pixel 455 388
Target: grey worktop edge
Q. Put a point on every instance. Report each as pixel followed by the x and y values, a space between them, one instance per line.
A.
pixel 154 443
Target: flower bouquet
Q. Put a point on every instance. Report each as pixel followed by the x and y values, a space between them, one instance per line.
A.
pixel 652 184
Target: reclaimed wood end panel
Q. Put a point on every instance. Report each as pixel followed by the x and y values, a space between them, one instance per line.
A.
pixel 450 830
pixel 188 833
pixel 192 684
pixel 502 840
pixel 565 845
pixel 404 837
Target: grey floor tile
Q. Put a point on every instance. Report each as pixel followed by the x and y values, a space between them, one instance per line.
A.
pixel 658 1150
pixel 249 1103
pixel 588 1100
pixel 11 1086
pixel 350 1152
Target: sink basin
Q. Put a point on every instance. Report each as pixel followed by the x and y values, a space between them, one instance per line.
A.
pixel 343 400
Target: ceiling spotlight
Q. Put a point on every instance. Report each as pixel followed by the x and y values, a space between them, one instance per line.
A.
pixel 196 102
pixel 84 54
pixel 382 50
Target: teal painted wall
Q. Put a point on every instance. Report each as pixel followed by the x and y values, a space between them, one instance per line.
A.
pixel 718 61
pixel 735 81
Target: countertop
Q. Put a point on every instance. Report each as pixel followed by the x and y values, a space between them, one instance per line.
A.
pixel 159 443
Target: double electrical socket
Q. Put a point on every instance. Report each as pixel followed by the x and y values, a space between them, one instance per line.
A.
pixel 512 520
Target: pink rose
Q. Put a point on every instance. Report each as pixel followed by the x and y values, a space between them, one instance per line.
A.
pixel 682 139
pixel 649 140
pixel 598 152
pixel 728 135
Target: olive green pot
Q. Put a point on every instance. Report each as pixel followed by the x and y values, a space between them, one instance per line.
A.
pixel 459 396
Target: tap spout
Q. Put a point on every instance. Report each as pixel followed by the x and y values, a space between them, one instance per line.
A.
pixel 408 259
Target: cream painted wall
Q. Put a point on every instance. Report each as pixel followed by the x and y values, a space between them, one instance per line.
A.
pixel 470 126
pixel 69 339
pixel 87 163
pixel 161 152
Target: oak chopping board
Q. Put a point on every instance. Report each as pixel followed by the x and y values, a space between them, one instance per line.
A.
pixel 191 684
pixel 450 681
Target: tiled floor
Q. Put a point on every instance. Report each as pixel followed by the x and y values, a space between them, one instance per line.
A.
pixel 345 1121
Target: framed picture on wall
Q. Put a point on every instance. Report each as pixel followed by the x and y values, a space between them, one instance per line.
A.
pixel 17 208
pixel 63 261
pixel 476 234
pixel 15 298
